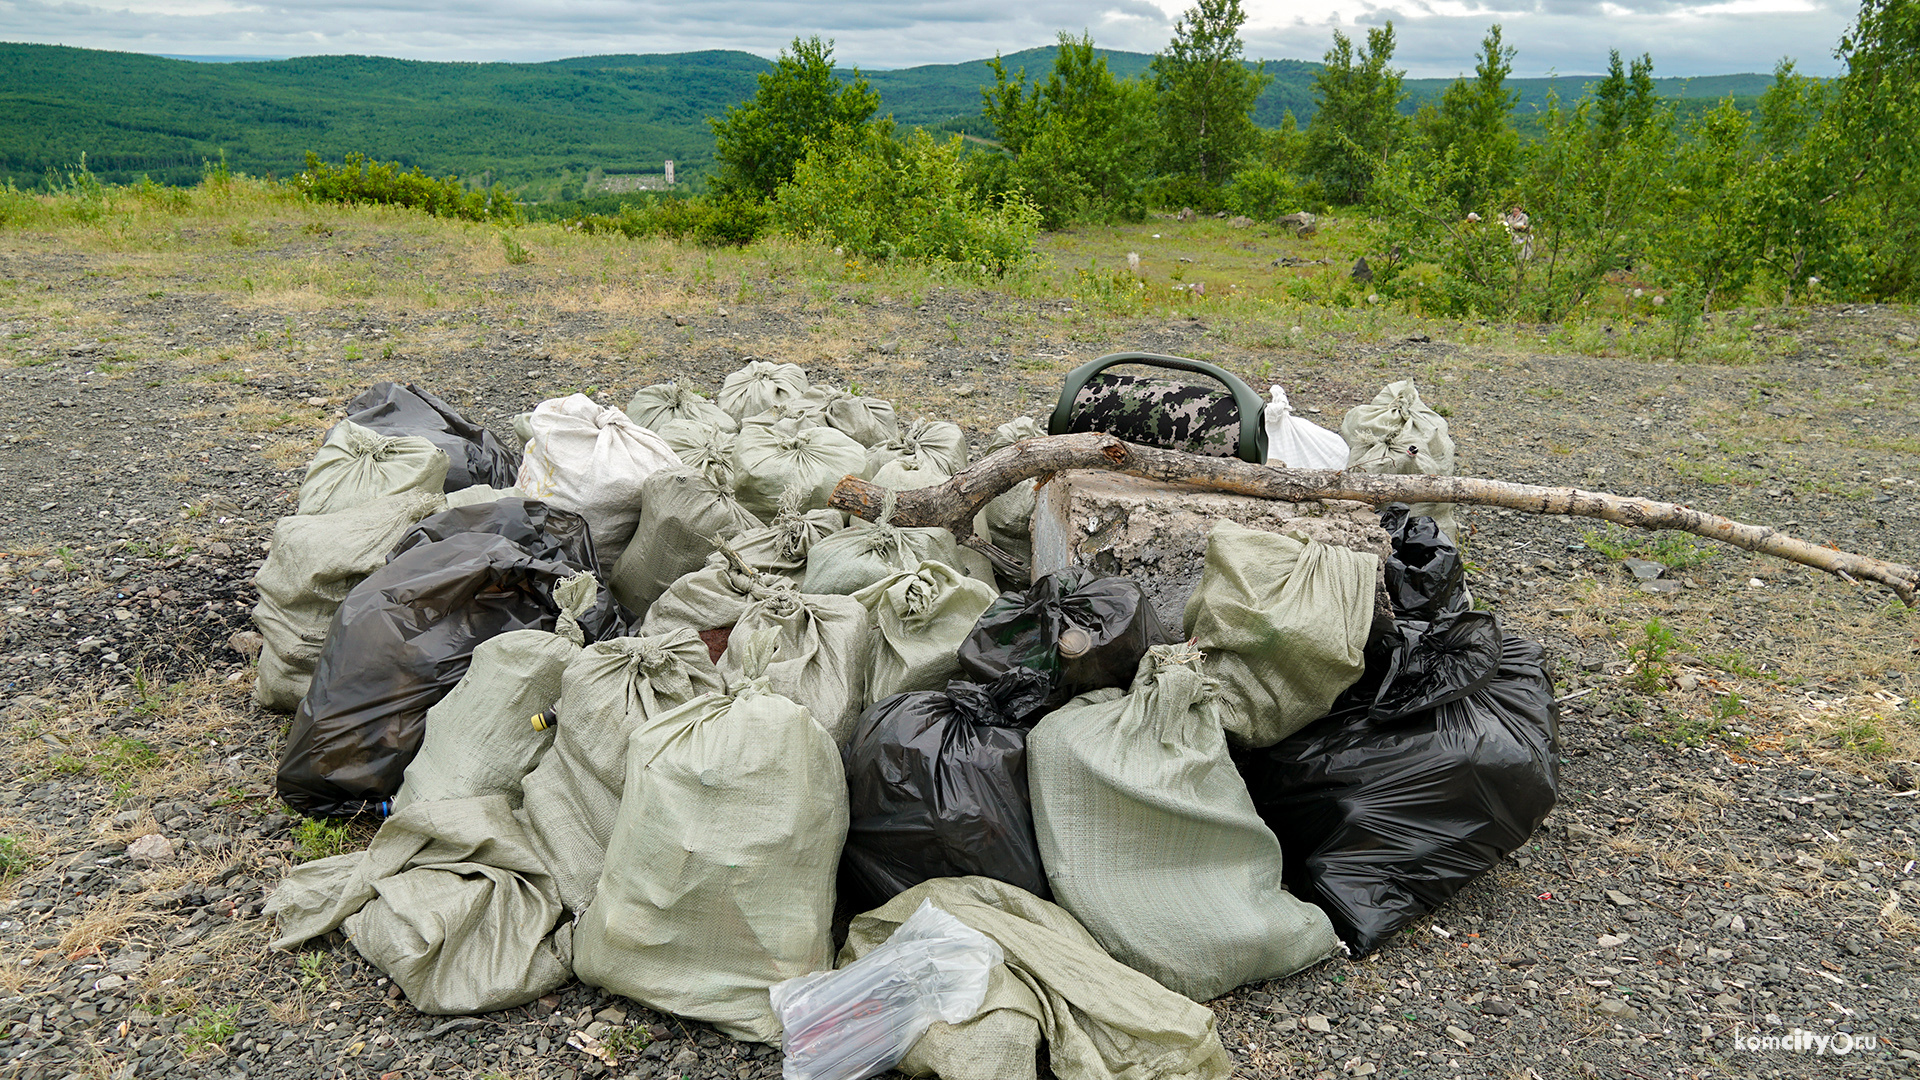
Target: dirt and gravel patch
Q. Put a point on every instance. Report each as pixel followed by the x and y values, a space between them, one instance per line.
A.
pixel 1734 853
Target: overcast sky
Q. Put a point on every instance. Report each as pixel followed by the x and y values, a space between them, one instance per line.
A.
pixel 1437 38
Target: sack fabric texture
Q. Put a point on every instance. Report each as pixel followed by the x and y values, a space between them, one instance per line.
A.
pixel 314 562
pixel 1396 434
pixel 398 644
pixel 450 900
pixel 719 879
pixel 870 551
pixel 610 690
pixel 820 649
pixel 653 407
pixel 355 466
pixel 1151 841
pixel 869 421
pixel 781 547
pixel 682 513
pixel 759 386
pixel 591 460
pixel 699 444
pixel 1284 624
pixel 935 444
pixel 920 617
pixel 1009 517
pixel 1447 767
pixel 769 461
pixel 475 456
pixel 1100 1019
pixel 480 739
pixel 937 787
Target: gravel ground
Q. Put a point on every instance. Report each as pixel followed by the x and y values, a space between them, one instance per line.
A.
pixel 1733 854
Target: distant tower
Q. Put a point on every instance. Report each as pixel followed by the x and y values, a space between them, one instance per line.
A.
pixel 669 173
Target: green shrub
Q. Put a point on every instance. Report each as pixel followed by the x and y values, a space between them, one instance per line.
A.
pixel 873 196
pixel 1263 192
pixel 713 221
pixel 360 180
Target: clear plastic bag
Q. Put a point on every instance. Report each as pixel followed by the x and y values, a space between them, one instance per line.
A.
pixel 861 1020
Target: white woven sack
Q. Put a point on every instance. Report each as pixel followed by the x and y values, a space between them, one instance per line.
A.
pixel 759 386
pixel 935 442
pixel 770 461
pixel 682 513
pixel 869 420
pixel 1150 838
pixel 821 649
pixel 920 617
pixel 719 879
pixel 591 460
pixel 652 407
pixel 1396 434
pixel 480 738
pixel 355 466
pixel 610 690
pixel 315 561
pixel 1299 443
pixel 700 444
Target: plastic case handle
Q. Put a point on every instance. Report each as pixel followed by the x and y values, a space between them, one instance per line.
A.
pixel 1253 429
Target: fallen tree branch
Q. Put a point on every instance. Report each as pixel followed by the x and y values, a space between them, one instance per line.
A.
pixel 953 504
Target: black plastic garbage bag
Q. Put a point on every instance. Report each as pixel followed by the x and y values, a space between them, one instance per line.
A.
pixel 398 644
pixel 937 786
pixel 1084 630
pixel 1387 810
pixel 543 532
pixel 474 455
pixel 1426 578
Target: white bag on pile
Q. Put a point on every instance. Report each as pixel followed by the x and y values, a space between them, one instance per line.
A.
pixel 760 386
pixel 710 600
pixel 700 444
pixel 793 414
pixel 355 466
pixel 1009 517
pixel 682 512
pixel 934 442
pixel 719 880
pixel 591 460
pixel 480 739
pixel 1150 838
pixel 652 407
pixel 821 647
pixel 869 420
pixel 770 461
pixel 858 556
pixel 861 1020
pixel 474 496
pixel 609 691
pixel 1284 622
pixel 781 547
pixel 315 561
pixel 1398 435
pixel 920 617
pixel 1299 443
pixel 1098 1019
pixel 450 899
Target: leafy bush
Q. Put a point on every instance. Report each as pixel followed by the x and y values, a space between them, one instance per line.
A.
pixel 712 221
pixel 362 181
pixel 1264 193
pixel 870 195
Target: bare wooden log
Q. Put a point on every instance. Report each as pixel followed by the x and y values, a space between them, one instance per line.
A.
pixel 953 504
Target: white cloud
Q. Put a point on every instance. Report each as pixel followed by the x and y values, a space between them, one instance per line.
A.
pixel 1436 37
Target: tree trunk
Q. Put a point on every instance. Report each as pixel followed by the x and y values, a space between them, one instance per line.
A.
pixel 953 504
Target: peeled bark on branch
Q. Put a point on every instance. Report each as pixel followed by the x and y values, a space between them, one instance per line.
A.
pixel 953 504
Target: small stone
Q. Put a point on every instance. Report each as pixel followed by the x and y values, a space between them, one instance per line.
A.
pixel 1644 570
pixel 1497 1008
pixel 152 848
pixel 1460 1035
pixel 1620 899
pixel 317 402
pixel 965 389
pixel 1318 1023
pixel 887 348
pixel 1737 924
pixel 1610 941
pixel 1386 1031
pixel 247 643
pixel 686 1058
pixel 612 1014
pixel 1617 1009
pixel 1661 586
pixel 111 982
pixel 1365 1068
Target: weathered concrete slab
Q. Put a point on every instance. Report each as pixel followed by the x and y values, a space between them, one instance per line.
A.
pixel 1156 533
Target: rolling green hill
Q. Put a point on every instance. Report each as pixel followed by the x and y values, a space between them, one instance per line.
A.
pixel 539 128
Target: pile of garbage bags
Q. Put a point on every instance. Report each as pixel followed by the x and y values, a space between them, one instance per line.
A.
pixel 636 707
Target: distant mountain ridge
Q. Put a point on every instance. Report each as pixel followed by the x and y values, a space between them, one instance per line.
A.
pixel 541 126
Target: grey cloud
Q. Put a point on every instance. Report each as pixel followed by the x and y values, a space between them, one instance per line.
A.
pixel 1567 36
